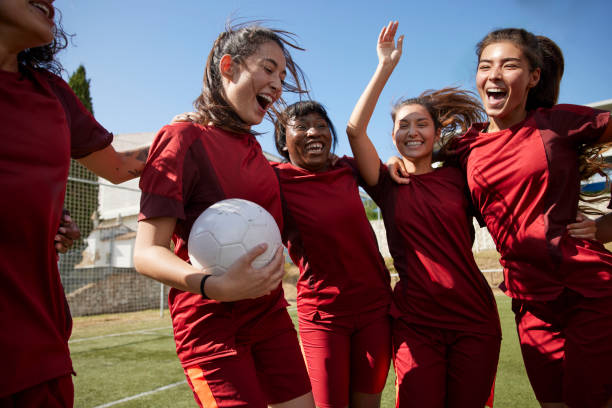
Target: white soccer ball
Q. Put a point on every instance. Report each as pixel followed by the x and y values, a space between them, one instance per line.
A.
pixel 227 230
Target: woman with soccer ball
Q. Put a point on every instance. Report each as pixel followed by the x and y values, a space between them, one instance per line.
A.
pixel 43 125
pixel 233 334
pixel 446 331
pixel 343 292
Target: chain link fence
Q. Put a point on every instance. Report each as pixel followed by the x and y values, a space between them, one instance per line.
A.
pixel 98 272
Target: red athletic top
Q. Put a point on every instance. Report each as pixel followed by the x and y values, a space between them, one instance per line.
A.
pixel 430 235
pixel 190 167
pixel 43 124
pixel 330 238
pixel 525 182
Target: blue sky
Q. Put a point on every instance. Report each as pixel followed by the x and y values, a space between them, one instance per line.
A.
pixel 145 59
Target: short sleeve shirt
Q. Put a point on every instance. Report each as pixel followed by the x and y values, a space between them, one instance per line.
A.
pixel 331 240
pixel 430 235
pixel 189 168
pixel 43 125
pixel 525 182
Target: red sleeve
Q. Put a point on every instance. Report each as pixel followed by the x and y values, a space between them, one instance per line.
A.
pixel 581 124
pixel 164 179
pixel 86 134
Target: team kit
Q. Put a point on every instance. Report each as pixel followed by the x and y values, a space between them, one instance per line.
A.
pixel 507 155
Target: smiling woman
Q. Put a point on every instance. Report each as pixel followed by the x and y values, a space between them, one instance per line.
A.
pixel 446 332
pixel 233 334
pixel 343 291
pixel 524 168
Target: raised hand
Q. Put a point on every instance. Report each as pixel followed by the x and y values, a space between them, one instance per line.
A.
pixel 388 51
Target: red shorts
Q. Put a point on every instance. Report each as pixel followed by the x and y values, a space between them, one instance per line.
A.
pixel 443 368
pixel 56 393
pixel 269 369
pixel 346 354
pixel 567 348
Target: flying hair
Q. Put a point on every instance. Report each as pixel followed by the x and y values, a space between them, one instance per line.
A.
pixel 241 41
pixel 453 111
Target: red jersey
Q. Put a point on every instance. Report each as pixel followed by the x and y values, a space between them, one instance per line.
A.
pixel 430 235
pixel 524 180
pixel 43 125
pixel 189 168
pixel 331 240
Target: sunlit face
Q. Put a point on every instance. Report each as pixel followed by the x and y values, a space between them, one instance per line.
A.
pixel 414 134
pixel 503 80
pixel 252 86
pixel 309 142
pixel 26 24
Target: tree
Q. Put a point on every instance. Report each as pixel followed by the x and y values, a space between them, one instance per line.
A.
pixel 80 85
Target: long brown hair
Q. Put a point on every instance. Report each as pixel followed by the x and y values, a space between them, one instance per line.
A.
pixel 453 111
pixel 240 42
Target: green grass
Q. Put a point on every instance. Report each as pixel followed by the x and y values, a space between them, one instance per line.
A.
pixel 112 368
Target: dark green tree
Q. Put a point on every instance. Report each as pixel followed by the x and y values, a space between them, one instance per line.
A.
pixel 80 85
pixel 81 191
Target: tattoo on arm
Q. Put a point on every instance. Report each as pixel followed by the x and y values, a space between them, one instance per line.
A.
pixel 139 155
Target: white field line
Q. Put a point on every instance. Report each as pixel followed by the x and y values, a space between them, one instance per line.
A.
pixel 142 394
pixel 144 331
pixel 482 270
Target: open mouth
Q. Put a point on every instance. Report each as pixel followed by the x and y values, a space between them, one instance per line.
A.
pixel 44 8
pixel 264 101
pixel 496 95
pixel 314 147
pixel 413 143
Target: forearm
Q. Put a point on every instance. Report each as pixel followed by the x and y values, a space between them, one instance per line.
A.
pixel 362 113
pixel 161 264
pixel 604 228
pixel 363 149
pixel 114 166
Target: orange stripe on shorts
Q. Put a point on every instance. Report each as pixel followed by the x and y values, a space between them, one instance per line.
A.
pixel 201 387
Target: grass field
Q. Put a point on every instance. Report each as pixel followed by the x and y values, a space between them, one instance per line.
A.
pixel 131 357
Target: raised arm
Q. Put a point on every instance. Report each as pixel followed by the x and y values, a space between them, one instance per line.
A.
pixel 364 151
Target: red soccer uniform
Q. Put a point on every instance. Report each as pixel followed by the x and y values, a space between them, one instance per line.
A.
pixel 191 167
pixel 446 333
pixel 429 232
pixel 330 239
pixel 344 288
pixel 44 124
pixel 525 182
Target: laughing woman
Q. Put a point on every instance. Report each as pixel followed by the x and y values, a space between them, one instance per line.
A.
pixel 524 168
pixel 343 288
pixel 233 335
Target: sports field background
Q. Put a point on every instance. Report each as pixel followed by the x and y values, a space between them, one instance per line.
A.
pixel 121 356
